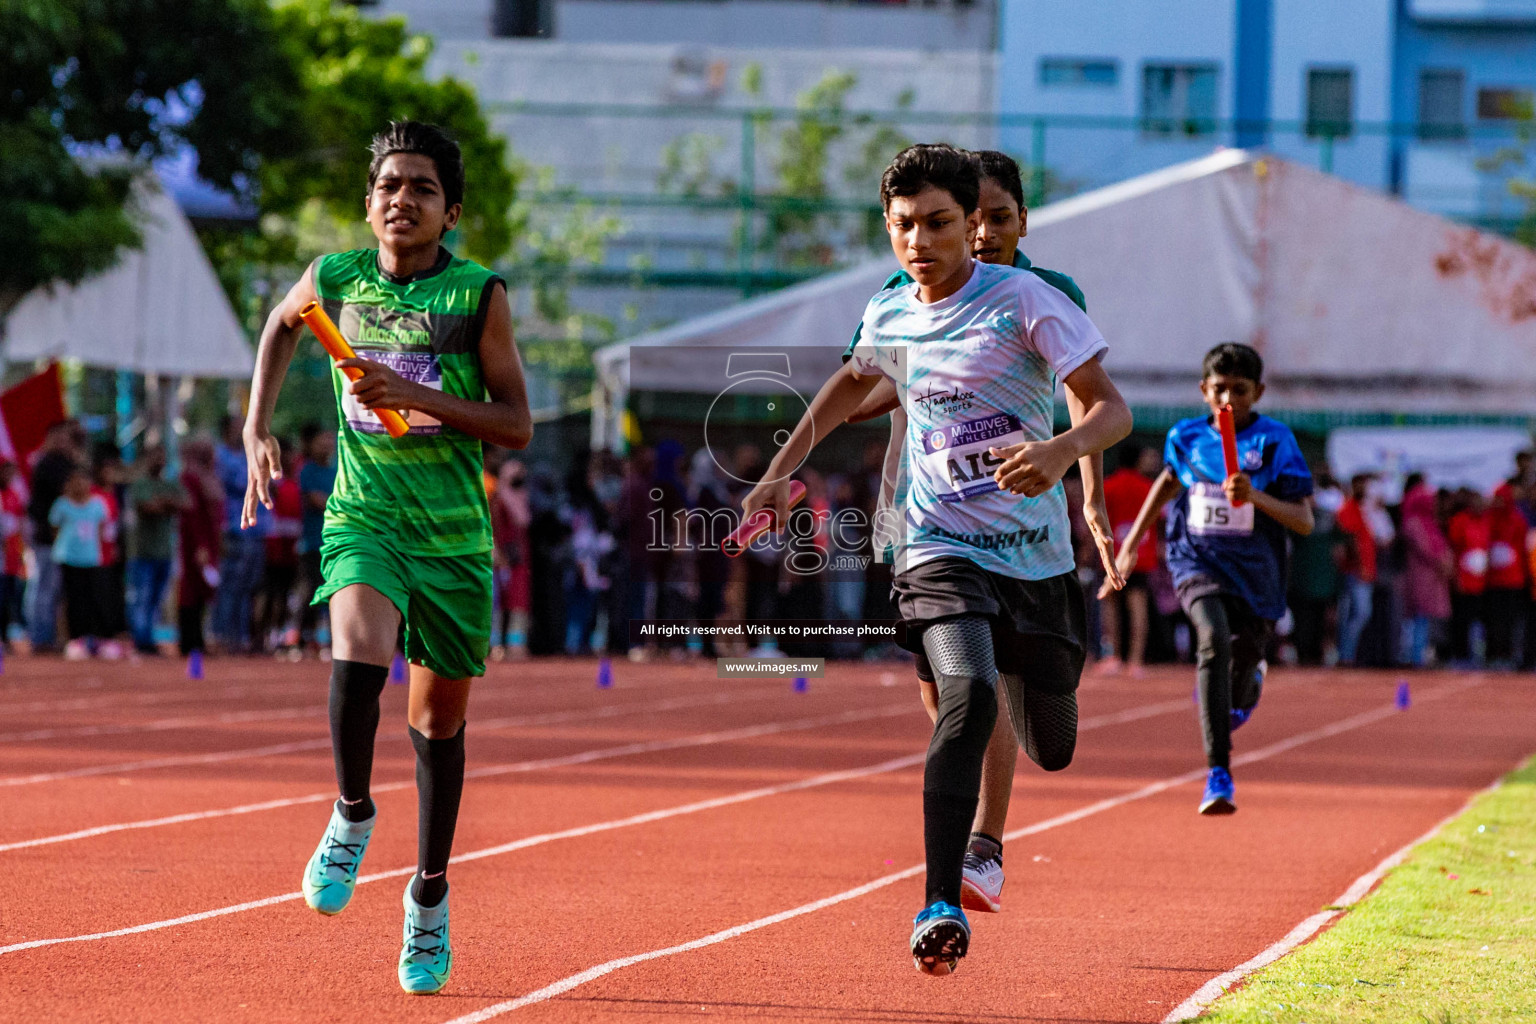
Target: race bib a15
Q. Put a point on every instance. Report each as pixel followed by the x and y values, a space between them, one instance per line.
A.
pixel 1211 512
pixel 956 459
pixel 420 367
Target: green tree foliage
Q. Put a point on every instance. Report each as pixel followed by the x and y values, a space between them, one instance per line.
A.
pixel 356 74
pixel 116 80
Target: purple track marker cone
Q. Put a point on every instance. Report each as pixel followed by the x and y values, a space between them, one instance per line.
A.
pixel 397 669
pixel 1403 699
pixel 195 665
pixel 801 684
pixel 605 674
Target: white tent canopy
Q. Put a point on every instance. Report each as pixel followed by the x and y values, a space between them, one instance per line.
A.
pixel 160 310
pixel 1357 301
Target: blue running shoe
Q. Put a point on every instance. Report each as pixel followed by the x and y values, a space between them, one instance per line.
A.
pixel 940 937
pixel 1218 793
pixel 1237 716
pixel 426 956
pixel 331 874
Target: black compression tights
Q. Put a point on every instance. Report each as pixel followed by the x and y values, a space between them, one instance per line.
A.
pixel 1228 645
pixel 960 651
pixel 1045 723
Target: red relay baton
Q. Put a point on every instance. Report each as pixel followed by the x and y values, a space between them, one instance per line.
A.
pixel 758 523
pixel 1228 427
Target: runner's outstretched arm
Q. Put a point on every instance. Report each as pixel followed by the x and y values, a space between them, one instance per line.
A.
pixel 838 397
pixel 882 400
pixel 1164 489
pixel 1095 512
pixel 279 338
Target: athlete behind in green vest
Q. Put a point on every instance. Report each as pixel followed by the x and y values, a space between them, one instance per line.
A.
pixel 407 533
pixel 1003 220
pixel 985 574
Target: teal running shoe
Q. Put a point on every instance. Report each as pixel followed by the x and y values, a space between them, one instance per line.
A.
pixel 426 956
pixel 940 937
pixel 331 874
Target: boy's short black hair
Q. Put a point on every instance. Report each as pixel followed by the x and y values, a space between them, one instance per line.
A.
pixel 1233 359
pixel 430 141
pixel 1004 170
pixel 942 166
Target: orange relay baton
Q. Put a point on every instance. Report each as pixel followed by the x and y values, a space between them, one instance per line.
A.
pixel 1228 427
pixel 336 346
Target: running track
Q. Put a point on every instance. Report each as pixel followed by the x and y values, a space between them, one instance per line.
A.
pixel 683 848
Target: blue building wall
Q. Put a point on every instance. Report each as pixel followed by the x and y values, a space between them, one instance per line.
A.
pixel 1443 174
pixel 1130 35
pixel 1263 51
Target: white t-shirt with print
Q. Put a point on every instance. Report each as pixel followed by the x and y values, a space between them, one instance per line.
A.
pixel 974 371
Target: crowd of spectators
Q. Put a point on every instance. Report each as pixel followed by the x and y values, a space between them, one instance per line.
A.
pixel 130 555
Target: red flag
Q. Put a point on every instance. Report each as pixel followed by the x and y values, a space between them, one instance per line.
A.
pixel 26 412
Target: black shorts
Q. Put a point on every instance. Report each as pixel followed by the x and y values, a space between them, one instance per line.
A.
pixel 1034 622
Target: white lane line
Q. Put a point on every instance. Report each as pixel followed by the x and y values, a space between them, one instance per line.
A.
pixel 493 851
pixel 1206 995
pixel 1094 722
pixel 487 689
pixel 566 984
pixel 105 702
pixel 563 761
pixel 324 743
pixel 163 724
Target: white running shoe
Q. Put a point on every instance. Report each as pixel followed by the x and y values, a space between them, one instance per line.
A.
pixel 981 884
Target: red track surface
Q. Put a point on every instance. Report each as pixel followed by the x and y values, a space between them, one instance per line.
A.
pixel 1117 915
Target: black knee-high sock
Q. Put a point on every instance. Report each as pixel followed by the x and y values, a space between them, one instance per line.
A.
pixel 355 689
pixel 439 784
pixel 1213 670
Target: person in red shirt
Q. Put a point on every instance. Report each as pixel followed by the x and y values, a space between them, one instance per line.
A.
pixel 1124 492
pixel 1503 602
pixel 202 520
pixel 13 513
pixel 281 572
pixel 1471 536
pixel 1355 604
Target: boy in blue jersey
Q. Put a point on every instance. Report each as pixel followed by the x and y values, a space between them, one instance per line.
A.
pixel 1002 221
pixel 1227 545
pixel 985 574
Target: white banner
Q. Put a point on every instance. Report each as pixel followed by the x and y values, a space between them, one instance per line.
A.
pixel 1477 457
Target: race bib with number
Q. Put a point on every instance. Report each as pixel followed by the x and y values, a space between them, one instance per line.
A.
pixel 1212 512
pixel 420 367
pixel 956 459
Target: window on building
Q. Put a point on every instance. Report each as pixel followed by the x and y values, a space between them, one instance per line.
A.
pixel 1442 104
pixel 1067 71
pixel 1178 99
pixel 1505 104
pixel 1330 101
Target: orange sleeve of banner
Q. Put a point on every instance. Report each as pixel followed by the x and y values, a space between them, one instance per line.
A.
pixel 336 346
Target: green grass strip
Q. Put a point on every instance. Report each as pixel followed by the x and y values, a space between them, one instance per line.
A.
pixel 1448 938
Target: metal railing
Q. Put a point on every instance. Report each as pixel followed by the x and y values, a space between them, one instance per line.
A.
pixel 737 206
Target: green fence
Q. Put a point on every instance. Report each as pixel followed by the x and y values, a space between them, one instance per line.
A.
pixel 778 195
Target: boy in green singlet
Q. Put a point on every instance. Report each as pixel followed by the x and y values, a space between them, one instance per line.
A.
pixel 407 531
